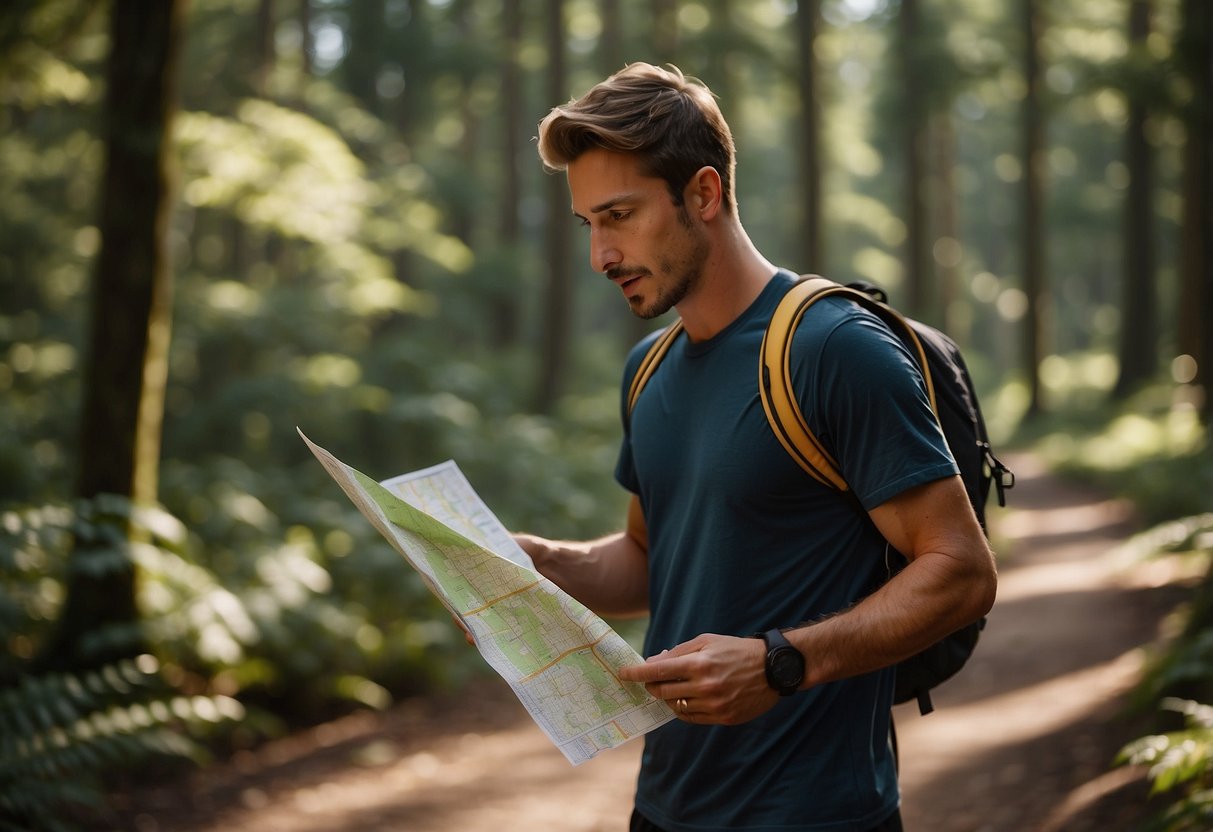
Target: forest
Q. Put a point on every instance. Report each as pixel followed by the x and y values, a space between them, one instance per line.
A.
pixel 223 220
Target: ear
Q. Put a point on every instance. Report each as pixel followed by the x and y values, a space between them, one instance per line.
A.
pixel 704 193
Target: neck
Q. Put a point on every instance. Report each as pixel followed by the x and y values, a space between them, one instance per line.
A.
pixel 733 276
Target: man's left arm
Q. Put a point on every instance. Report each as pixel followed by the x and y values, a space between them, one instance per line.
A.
pixel 950 580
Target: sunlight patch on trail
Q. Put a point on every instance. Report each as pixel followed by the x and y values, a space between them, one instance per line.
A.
pixel 1067 519
pixel 963 734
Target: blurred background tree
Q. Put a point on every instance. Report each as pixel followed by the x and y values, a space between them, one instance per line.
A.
pixel 126 352
pixel 362 243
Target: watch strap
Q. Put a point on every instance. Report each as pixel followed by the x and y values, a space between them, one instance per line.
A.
pixel 775 638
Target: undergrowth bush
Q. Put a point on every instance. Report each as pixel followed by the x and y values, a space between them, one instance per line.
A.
pixel 64 734
pixel 1153 451
pixel 266 601
pixel 1179 679
pixel 1179 761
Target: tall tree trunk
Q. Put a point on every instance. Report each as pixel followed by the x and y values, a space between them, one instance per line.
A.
pixel 665 30
pixel 505 297
pixel 306 46
pixel 418 58
pixel 1033 258
pixel 808 24
pixel 947 252
pixel 265 48
pixel 411 110
pixel 1196 243
pixel 127 359
pixel 717 71
pixel 558 300
pixel 364 60
pixel 611 59
pixel 463 216
pixel 914 140
pixel 611 51
pixel 1139 328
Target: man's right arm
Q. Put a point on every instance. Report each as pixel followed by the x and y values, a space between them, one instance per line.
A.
pixel 609 575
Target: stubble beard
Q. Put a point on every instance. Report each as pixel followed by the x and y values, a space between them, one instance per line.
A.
pixel 685 273
pixel 667 297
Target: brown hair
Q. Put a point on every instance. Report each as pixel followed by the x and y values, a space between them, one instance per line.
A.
pixel 669 120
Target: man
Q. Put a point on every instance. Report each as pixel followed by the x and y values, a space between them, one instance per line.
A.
pixel 725 535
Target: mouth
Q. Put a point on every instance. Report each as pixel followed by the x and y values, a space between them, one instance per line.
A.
pixel 629 282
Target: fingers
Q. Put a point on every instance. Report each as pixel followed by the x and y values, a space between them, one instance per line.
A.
pixel 686 648
pixel 651 672
pixel 708 680
pixel 668 665
pixel 467 634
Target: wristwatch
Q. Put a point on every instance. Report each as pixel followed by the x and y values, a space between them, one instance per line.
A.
pixel 785 664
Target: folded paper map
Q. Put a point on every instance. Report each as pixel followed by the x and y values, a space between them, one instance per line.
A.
pixel 558 657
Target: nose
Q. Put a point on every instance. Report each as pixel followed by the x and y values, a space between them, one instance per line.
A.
pixel 603 253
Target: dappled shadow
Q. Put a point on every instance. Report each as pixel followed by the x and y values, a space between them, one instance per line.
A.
pixel 1059 528
pixel 474 762
pixel 446 799
pixel 1035 639
pixel 1022 739
pixel 304 766
pixel 1065 600
pixel 1030 784
pixel 1046 517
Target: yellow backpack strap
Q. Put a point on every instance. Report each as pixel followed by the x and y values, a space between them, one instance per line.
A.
pixel 650 361
pixel 775 376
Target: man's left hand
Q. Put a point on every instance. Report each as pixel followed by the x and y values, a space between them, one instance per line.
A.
pixel 709 680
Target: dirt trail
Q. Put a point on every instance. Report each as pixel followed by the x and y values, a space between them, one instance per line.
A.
pixel 1020 741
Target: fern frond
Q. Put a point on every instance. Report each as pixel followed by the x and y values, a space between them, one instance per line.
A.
pixel 60 732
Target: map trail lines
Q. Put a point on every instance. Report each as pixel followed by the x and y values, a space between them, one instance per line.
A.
pixel 560 658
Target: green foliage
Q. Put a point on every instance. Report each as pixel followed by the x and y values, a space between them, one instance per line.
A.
pixel 1180 761
pixel 1151 448
pixel 339 265
pixel 32 568
pixel 1188 536
pixel 61 734
pixel 1152 451
pixel 278 632
pixel 1186 666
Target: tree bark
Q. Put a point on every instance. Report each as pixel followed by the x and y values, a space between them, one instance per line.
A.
pixel 1195 53
pixel 914 141
pixel 506 314
pixel 265 48
pixel 307 46
pixel 947 221
pixel 367 32
pixel 558 300
pixel 611 51
pixel 1139 329
pixel 665 31
pixel 1032 230
pixel 808 23
pixel 126 367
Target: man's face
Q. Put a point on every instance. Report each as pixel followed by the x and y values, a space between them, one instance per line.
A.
pixel 649 247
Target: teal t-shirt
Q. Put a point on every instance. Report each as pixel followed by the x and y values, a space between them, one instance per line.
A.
pixel 741 539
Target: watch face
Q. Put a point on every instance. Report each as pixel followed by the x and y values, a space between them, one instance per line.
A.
pixel 786 666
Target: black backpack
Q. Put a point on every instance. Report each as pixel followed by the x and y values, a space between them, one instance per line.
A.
pixel 953 399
